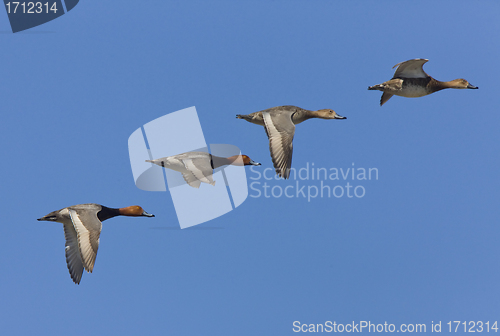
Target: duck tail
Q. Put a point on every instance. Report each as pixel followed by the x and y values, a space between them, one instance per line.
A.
pixel 247 117
pixel 375 87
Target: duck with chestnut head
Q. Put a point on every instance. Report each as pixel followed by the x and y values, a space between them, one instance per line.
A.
pixel 82 227
pixel 197 167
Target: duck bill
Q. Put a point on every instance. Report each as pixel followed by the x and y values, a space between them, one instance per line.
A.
pixel 145 214
pixel 337 116
pixel 253 163
pixel 470 86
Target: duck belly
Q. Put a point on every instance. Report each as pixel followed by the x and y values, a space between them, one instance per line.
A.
pixel 413 91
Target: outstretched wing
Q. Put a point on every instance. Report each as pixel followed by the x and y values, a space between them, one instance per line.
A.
pixel 280 130
pixel 198 169
pixel 88 228
pixel 411 69
pixel 73 258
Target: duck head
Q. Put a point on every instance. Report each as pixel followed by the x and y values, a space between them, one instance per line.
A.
pixel 134 211
pixel 328 114
pixel 249 162
pixel 236 160
pixel 460 83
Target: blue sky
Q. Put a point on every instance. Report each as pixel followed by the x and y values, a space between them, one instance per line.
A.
pixel 420 246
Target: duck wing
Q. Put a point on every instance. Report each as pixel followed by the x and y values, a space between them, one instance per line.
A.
pixel 88 229
pixel 385 97
pixel 280 131
pixel 198 170
pixel 411 69
pixel 73 258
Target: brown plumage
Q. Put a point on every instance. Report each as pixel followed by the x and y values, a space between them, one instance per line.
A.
pixel 410 80
pixel 279 123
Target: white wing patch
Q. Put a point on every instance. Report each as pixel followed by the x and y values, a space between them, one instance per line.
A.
pixel 73 258
pixel 191 179
pixel 274 138
pixel 87 254
pixel 203 176
pixel 277 140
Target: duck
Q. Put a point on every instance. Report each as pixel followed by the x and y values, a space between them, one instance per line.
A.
pixel 279 123
pixel 410 80
pixel 197 167
pixel 82 227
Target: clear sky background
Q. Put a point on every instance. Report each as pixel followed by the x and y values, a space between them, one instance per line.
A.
pixel 422 245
